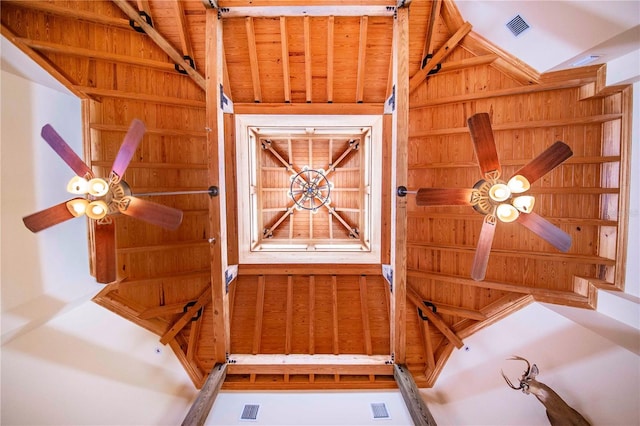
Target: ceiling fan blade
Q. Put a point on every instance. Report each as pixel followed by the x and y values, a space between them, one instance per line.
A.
pixel 47 218
pixel 481 259
pixel 128 148
pixel 546 230
pixel 483 142
pixel 151 212
pixel 444 196
pixel 64 151
pixel 548 160
pixel 104 238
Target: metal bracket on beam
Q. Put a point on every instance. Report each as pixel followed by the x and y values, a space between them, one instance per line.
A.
pixel 147 19
pixel 191 63
pixel 428 305
pixel 226 105
pixel 390 103
pixel 210 4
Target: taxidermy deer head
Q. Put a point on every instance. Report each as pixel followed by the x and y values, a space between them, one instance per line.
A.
pixel 558 411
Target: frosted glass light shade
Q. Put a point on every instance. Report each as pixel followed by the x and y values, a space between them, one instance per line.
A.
pixel 499 192
pixel 77 206
pixel 524 203
pixel 518 184
pixel 78 185
pixel 97 209
pixel 507 213
pixel 98 187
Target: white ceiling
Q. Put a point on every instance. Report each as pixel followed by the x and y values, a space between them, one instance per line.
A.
pixel 561 32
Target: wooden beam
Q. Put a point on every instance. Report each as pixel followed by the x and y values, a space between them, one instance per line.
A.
pixel 203 300
pixel 159 39
pixel 307 59
pixel 301 8
pixel 310 269
pixel 431 24
pixel 204 401
pixel 289 319
pixel 217 173
pixel 418 409
pixel 442 53
pixel 399 148
pixel 312 314
pixel 257 328
pixel 284 42
pixel 71 13
pixel 159 311
pixel 163 100
pixel 435 319
pixel 183 29
pixel 334 311
pixel 428 345
pixel 310 108
pixel 330 46
pixel 253 59
pixel 364 309
pixel 362 58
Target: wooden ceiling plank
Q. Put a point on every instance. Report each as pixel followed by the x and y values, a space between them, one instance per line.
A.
pixel 162 247
pixel 442 53
pixel 289 319
pixel 183 30
pixel 517 162
pixel 334 315
pixel 364 309
pixel 330 53
pixel 312 314
pixel 161 42
pixel 199 411
pixel 362 59
pixel 418 409
pixel 70 13
pixel 431 24
pixel 476 217
pixel 45 46
pixel 284 41
pixel 257 330
pixel 42 61
pixel 203 300
pixel 216 141
pixel 253 59
pixel 434 318
pixel 308 78
pixel 399 149
pixel 149 130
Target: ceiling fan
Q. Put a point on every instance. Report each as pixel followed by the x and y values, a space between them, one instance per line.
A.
pixel 496 199
pixel 101 198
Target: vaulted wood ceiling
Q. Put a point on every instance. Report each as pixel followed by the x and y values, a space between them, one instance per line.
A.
pixel 308 325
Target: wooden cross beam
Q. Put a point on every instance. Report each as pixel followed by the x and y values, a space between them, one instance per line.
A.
pixel 202 405
pixel 203 300
pixel 418 409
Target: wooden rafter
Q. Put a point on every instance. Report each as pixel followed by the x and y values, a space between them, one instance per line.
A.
pixel 362 56
pixel 253 59
pixel 284 41
pixel 307 60
pixel 289 317
pixel 183 29
pixel 161 42
pixel 312 314
pixel 201 407
pixel 257 330
pixel 203 300
pixel 418 409
pixel 75 13
pixel 330 46
pixel 442 53
pixel 431 24
pixel 332 211
pixel 435 319
pixel 364 309
pixel 334 311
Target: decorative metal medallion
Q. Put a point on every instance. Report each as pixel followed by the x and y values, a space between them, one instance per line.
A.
pixel 310 189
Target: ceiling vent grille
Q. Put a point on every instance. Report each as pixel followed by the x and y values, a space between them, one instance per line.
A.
pixel 379 410
pixel 250 412
pixel 517 25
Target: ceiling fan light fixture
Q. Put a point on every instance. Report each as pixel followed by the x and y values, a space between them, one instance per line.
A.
pixel 78 185
pixel 499 192
pixel 507 213
pixel 524 203
pixel 97 209
pixel 98 187
pixel 78 206
pixel 518 184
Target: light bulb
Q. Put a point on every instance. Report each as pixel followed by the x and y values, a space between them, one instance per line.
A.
pixel 77 206
pixel 98 187
pixel 77 185
pixel 97 209
pixel 499 192
pixel 507 213
pixel 518 184
pixel 524 203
